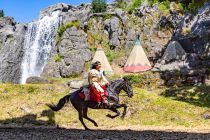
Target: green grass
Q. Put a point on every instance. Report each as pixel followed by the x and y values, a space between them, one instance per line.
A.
pixel 25 104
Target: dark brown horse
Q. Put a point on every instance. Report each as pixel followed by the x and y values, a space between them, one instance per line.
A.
pixel 113 91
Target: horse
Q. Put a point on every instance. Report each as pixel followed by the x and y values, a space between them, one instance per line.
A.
pixel 112 94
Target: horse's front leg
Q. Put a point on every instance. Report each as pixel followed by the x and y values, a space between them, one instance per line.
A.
pixel 114 109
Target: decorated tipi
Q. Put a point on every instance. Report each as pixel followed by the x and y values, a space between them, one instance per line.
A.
pixel 137 61
pixel 100 56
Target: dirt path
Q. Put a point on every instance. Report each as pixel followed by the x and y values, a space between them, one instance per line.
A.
pixel 74 134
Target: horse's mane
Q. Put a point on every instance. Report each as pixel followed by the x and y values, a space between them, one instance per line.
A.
pixel 114 81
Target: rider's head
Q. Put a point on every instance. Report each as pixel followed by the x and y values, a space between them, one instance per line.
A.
pixel 96 65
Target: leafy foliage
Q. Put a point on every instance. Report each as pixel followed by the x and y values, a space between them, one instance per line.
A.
pixel 121 4
pixel 63 28
pixel 58 58
pixel 151 2
pixel 99 6
pixel 135 4
pixel 164 6
pixel 1 13
pixel 186 5
pixel 194 5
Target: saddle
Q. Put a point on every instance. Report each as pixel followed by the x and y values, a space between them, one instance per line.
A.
pixel 85 93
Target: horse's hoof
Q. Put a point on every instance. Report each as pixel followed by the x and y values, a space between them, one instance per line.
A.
pixel 88 129
pixel 96 125
pixel 108 115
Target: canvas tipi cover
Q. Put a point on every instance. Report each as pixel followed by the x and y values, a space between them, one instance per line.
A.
pixel 137 61
pixel 100 56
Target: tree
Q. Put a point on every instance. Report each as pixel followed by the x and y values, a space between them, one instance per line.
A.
pixel 99 6
pixel 1 13
pixel 121 4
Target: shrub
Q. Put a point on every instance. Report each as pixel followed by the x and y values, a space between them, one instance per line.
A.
pixel 99 6
pixel 135 4
pixel 63 28
pixel 186 31
pixel 121 4
pixel 164 6
pixel 151 2
pixel 193 6
pixel 144 80
pixel 58 58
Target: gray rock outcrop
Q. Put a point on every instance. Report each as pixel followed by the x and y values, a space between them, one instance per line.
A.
pixel 11 49
pixel 73 52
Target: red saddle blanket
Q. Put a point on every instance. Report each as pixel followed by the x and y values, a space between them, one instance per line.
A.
pixel 92 95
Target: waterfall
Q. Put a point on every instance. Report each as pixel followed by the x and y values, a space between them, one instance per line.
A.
pixel 38 43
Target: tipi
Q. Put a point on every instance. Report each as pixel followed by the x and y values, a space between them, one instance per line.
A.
pixel 100 56
pixel 137 61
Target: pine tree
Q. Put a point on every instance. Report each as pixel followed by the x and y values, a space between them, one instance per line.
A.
pixel 99 6
pixel 1 13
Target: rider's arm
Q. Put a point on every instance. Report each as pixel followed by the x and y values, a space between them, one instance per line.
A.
pixel 94 78
pixel 98 87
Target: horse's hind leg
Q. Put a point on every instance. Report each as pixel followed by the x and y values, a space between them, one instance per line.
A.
pixel 79 107
pixel 81 120
pixel 85 110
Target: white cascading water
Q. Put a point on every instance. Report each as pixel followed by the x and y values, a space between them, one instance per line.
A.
pixel 38 43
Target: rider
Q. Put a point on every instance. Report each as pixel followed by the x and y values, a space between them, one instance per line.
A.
pixel 98 84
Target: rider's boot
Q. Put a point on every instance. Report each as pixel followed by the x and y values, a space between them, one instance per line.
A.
pixel 104 101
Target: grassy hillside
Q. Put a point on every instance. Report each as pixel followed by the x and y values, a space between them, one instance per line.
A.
pixel 25 105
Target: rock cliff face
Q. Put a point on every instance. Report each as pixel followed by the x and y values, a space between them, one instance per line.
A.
pixel 73 52
pixel 117 29
pixel 11 49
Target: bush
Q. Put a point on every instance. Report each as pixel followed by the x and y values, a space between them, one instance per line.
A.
pixel 135 4
pixel 63 28
pixel 99 6
pixel 121 4
pixel 194 6
pixel 151 2
pixel 1 13
pixel 58 58
pixel 143 80
pixel 164 6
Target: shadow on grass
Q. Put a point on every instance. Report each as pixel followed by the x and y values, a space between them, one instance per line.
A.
pixel 196 95
pixel 32 119
pixel 74 134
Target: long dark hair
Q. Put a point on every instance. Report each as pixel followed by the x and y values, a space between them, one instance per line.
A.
pixel 95 64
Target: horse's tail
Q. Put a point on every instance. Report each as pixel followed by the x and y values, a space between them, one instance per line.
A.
pixel 60 104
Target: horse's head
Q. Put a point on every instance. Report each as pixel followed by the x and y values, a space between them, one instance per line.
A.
pixel 127 87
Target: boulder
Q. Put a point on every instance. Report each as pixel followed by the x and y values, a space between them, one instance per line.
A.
pixel 37 80
pixel 76 84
